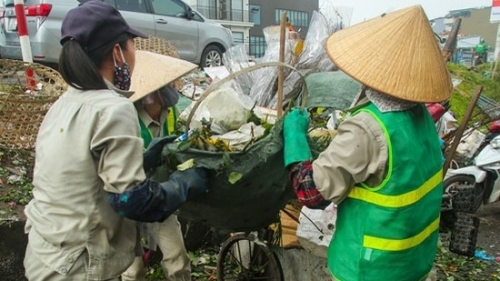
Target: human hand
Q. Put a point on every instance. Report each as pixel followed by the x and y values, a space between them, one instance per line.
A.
pixel 295 127
pixel 195 180
pixel 297 120
pixel 152 155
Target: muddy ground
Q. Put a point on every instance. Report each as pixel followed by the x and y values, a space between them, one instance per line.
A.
pixel 15 187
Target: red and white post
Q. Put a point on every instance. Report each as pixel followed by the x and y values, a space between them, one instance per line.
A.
pixel 24 39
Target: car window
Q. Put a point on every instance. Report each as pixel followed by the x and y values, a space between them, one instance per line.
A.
pixel 110 2
pixel 138 6
pixel 168 8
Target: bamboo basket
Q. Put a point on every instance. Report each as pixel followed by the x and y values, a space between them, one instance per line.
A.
pixel 263 190
pixel 22 111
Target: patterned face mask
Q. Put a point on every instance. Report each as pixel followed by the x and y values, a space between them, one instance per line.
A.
pixel 122 74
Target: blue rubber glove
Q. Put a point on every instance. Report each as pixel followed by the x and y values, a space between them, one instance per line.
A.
pixel 295 127
pixel 152 155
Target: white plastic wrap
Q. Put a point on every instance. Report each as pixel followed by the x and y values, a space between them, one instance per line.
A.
pixel 236 59
pixel 310 223
pixel 224 108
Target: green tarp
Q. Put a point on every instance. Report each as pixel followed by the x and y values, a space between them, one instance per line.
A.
pixel 252 202
pixel 331 89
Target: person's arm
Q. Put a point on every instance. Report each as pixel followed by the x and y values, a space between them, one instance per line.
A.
pixel 152 201
pixel 358 153
pixel 117 143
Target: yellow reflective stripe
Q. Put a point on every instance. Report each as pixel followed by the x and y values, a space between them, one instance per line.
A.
pixel 396 201
pixel 171 118
pixel 400 245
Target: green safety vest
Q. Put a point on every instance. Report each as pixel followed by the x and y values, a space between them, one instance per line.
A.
pixel 169 127
pixel 390 232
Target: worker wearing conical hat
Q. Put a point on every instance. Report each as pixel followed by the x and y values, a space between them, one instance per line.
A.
pixel 155 101
pixel 384 168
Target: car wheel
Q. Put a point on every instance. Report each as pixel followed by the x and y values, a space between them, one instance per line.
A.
pixel 212 56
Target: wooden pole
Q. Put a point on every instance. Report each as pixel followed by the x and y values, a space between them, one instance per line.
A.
pixel 451 43
pixel 460 131
pixel 492 74
pixel 281 74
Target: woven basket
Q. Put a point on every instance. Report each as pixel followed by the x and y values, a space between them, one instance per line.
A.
pixel 256 199
pixel 22 111
pixel 160 46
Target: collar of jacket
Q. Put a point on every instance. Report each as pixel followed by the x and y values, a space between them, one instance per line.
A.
pixel 112 87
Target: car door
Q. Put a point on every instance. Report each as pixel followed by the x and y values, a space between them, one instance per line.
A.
pixel 173 24
pixel 137 14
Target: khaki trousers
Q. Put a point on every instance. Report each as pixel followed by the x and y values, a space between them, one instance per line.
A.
pixel 175 262
pixel 36 270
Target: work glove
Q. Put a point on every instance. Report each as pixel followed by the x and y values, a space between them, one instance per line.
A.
pixel 154 202
pixel 295 127
pixel 191 183
pixel 152 155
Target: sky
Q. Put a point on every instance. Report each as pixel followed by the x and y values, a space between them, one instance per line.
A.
pixel 366 9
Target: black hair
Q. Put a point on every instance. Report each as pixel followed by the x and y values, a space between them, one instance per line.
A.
pixel 81 69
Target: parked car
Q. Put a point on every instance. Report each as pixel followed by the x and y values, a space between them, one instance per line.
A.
pixel 198 39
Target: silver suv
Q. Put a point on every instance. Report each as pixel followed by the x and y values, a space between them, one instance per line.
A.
pixel 197 39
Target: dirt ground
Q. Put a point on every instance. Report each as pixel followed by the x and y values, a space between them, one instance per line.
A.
pixel 15 191
pixel 489 229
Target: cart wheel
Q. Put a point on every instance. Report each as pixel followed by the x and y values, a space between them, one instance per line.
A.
pixel 246 258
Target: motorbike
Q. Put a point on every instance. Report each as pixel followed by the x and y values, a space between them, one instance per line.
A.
pixel 464 191
pixel 467 188
pixel 493 131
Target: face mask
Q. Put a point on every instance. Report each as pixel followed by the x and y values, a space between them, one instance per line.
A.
pixel 154 98
pixel 149 99
pixel 122 74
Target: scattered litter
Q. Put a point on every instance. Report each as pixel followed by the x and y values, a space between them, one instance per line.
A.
pixel 497 259
pixel 14 178
pixel 483 256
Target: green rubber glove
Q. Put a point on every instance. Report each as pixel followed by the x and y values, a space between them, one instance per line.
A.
pixel 295 126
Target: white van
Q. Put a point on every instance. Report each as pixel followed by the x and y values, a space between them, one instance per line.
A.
pixel 198 39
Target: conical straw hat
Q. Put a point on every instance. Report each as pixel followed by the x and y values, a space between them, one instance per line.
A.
pixel 159 46
pixel 153 71
pixel 396 54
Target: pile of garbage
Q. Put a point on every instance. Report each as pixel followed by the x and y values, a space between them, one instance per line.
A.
pixel 243 111
pixel 232 125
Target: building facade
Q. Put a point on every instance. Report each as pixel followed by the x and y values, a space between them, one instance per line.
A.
pixel 233 14
pixel 248 18
pixel 264 13
pixel 475 23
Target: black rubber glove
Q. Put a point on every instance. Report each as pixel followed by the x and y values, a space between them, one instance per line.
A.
pixel 152 155
pixel 152 201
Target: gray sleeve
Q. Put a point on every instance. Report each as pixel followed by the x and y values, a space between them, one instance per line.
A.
pixel 357 154
pixel 116 140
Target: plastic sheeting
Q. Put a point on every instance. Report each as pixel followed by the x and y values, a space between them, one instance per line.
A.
pixel 331 89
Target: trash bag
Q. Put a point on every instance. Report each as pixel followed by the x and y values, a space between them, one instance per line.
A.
pixel 247 189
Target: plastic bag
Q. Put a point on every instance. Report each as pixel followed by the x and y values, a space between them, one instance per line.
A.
pixel 316 229
pixel 314 51
pixel 236 59
pixel 224 109
pixel 240 138
pixel 264 83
